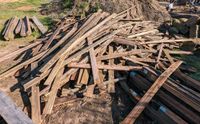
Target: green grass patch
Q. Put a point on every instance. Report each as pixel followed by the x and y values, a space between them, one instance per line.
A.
pixel 193 61
pixel 8 10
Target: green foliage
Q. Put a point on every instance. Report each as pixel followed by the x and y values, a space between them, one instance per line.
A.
pixel 193 61
pixel 68 4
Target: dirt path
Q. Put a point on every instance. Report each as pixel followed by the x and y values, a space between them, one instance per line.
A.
pixel 24 8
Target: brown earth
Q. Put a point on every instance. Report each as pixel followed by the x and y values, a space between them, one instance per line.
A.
pixel 147 9
pixel 24 8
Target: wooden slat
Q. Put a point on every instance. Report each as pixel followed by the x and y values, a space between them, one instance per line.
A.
pixel 71 47
pixel 111 74
pixel 137 110
pixel 95 71
pixel 9 34
pixel 7 25
pixel 10 113
pixel 123 54
pixel 144 33
pixel 27 25
pixel 39 25
pixel 53 93
pixel 18 28
pixel 35 105
pixel 108 67
pixel 23 28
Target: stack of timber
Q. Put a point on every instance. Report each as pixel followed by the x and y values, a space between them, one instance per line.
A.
pixel 22 27
pixel 88 57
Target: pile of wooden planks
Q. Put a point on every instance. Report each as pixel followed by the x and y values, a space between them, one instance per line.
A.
pixel 88 57
pixel 22 27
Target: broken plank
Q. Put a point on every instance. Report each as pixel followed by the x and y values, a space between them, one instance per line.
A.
pixel 10 113
pixel 141 105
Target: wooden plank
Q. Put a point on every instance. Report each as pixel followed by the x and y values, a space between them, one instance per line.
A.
pixel 65 52
pixel 143 84
pixel 180 52
pixel 122 54
pixel 69 34
pixel 137 110
pixel 80 76
pixel 27 25
pixel 153 31
pixel 160 52
pixel 111 74
pixel 85 77
pixel 10 113
pixel 169 41
pixel 53 93
pixel 39 25
pixel 95 71
pixel 9 34
pixel 35 105
pixel 107 67
pixel 167 99
pixel 125 41
pixel 53 36
pixel 23 29
pixel 135 61
pixel 18 28
pixel 107 39
pixel 7 25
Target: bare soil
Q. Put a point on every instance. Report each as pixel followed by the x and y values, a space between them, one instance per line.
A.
pixel 25 8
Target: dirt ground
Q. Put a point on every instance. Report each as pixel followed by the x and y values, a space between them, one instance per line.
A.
pixel 24 8
pixel 106 109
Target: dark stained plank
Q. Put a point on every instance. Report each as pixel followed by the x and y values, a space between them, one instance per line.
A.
pixel 18 28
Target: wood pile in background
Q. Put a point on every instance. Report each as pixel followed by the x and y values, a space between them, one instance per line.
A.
pixel 22 27
pixel 88 57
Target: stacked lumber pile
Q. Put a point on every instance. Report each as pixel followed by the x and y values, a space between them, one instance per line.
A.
pixel 88 57
pixel 22 27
